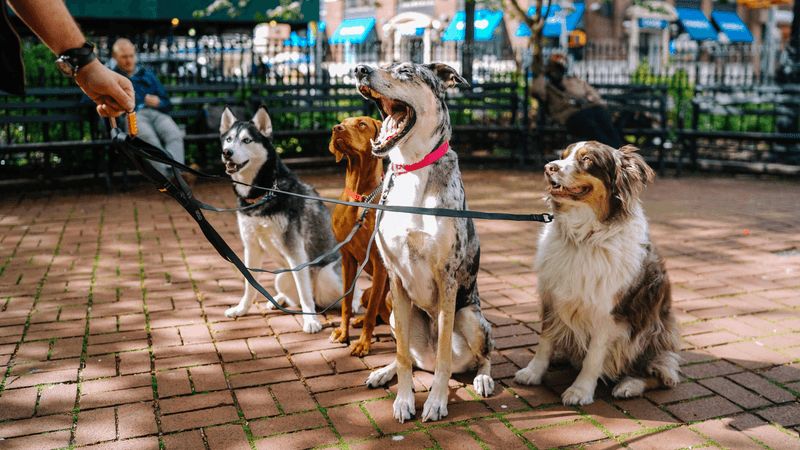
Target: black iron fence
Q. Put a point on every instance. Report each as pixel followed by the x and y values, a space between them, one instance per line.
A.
pixel 239 57
pixel 315 77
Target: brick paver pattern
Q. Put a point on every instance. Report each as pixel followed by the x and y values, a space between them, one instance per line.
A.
pixel 113 334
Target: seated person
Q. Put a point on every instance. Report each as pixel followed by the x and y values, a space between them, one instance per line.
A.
pixel 573 103
pixel 152 103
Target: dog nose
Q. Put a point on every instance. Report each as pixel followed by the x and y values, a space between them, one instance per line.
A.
pixel 227 153
pixel 551 168
pixel 338 127
pixel 361 70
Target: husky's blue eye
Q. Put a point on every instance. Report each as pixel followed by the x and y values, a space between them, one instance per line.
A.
pixel 229 139
pixel 246 140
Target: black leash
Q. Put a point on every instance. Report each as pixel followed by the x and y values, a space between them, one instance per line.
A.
pixel 159 155
pixel 139 153
pixel 130 148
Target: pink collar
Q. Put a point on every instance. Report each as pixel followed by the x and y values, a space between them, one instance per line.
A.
pixel 429 159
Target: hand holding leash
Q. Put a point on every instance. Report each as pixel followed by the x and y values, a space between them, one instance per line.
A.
pixel 133 128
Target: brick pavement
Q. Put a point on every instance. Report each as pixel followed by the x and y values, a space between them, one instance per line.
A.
pixel 112 332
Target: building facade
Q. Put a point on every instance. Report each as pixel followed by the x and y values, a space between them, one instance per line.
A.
pixel 421 24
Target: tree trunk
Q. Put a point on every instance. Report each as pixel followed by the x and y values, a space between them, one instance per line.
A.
pixel 536 24
pixel 469 40
pixel 795 37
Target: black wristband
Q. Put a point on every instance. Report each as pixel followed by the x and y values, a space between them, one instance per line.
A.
pixel 71 61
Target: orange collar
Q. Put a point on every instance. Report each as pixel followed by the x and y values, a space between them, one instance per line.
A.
pixel 429 159
pixel 271 193
pixel 251 201
pixel 353 196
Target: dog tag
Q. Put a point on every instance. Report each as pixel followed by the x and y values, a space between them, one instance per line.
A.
pixel 133 130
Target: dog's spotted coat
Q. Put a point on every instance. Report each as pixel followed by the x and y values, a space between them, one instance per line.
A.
pixel 432 261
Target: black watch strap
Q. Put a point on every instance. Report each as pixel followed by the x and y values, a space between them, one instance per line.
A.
pixel 71 61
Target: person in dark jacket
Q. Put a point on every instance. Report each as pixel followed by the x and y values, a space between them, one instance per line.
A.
pixel 152 105
pixel 574 103
pixel 53 23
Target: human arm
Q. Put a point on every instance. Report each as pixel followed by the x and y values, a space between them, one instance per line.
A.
pixel 592 95
pixel 53 23
pixel 157 96
pixel 539 87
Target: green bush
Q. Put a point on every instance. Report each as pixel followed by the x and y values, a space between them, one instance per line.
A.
pixel 39 68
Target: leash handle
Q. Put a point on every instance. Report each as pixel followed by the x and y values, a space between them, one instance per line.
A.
pixel 133 128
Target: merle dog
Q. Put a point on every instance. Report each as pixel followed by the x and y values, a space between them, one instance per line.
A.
pixel 432 261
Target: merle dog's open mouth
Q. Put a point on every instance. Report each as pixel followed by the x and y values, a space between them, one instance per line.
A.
pixel 231 167
pixel 398 119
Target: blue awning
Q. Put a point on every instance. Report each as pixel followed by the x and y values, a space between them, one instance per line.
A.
pixel 297 41
pixel 655 24
pixel 354 31
pixel 732 25
pixel 696 24
pixel 552 25
pixel 486 21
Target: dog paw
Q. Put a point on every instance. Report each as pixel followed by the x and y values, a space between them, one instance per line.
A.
pixel 360 348
pixel 528 376
pixel 484 385
pixel 358 322
pixel 577 395
pixel 337 335
pixel 236 311
pixel 380 377
pixel 434 409
pixel 669 377
pixel 629 387
pixel 280 299
pixel 404 408
pixel 311 325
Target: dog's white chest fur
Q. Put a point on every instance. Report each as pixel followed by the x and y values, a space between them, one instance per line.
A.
pixel 585 265
pixel 267 233
pixel 412 243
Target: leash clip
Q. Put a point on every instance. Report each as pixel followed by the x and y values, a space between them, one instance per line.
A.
pixel 547 217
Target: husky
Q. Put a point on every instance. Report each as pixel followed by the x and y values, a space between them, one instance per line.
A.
pixel 292 230
pixel 432 262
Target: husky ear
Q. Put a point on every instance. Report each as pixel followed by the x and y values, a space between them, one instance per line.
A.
pixel 226 121
pixel 263 122
pixel 447 74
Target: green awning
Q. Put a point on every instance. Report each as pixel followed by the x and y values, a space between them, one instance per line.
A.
pixel 182 10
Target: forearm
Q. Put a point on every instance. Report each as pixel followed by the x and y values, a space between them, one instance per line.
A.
pixel 539 87
pixel 593 96
pixel 161 92
pixel 51 21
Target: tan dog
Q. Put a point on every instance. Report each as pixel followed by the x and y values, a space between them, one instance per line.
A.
pixel 351 138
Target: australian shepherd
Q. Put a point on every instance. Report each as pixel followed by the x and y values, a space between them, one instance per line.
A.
pixel 603 287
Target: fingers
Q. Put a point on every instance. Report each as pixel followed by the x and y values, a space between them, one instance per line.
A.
pixel 108 105
pixel 123 94
pixel 112 92
pixel 107 110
